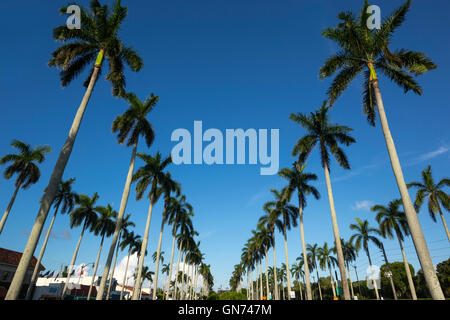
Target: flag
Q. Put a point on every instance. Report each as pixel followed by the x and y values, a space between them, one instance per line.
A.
pixel 73 271
pixel 50 275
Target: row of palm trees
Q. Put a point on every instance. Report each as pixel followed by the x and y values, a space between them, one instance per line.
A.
pixel 361 52
pixel 98 40
pixel 392 223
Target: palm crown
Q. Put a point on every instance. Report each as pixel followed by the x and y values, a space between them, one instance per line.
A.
pixel 363 51
pixel 363 235
pixel 86 212
pixel 133 122
pixel 23 163
pixel 428 189
pixel 97 36
pixel 327 135
pixel 391 218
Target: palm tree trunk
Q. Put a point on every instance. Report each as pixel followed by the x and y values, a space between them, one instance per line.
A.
pixel 158 253
pixel 300 287
pixel 391 280
pixel 337 238
pixel 52 188
pixel 351 283
pixel 267 277
pixel 108 293
pixel 72 262
pixel 443 222
pixel 170 268
pixel 305 256
pixel 124 282
pixel 8 209
pixel 275 271
pixel 332 281
pixel 143 249
pixel 373 275
pixel 413 222
pixel 95 268
pixel 318 280
pixel 288 279
pixel 123 205
pixel 182 278
pixel 41 255
pixel 282 289
pixel 251 281
pixel 408 271
pixel 174 296
pixel 260 281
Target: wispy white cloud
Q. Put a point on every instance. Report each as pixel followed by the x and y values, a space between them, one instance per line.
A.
pixel 362 205
pixel 430 155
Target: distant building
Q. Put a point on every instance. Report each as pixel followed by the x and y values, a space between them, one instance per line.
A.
pixel 52 287
pixel 9 260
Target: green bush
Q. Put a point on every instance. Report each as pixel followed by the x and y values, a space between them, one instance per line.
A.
pixel 213 296
pixel 232 295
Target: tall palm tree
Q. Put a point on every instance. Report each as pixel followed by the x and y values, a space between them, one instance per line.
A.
pixel 266 239
pixel 299 181
pixel 427 189
pixel 129 126
pixel 184 239
pixel 390 219
pixel 67 198
pixel 98 38
pixel 313 252
pixel 130 241
pixel 297 272
pixel 367 51
pixel 126 224
pixel 168 186
pixel 269 220
pixel 328 136
pixel 146 275
pixel 181 211
pixel 361 238
pixel 104 227
pixel 288 214
pixel 152 173
pixel 85 214
pixel 25 165
pixel 350 254
pixel 326 260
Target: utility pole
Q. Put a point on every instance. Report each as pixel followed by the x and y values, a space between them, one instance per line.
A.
pixel 389 272
pixel 357 279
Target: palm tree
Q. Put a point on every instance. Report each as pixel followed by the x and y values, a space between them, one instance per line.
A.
pixel 427 189
pixel 97 39
pixel 269 220
pixel 289 214
pixel 67 198
pixel 362 237
pixel 391 218
pixel 105 228
pixel 328 136
pixel 168 186
pixel 266 239
pixel 184 239
pixel 298 181
pixel 146 275
pixel 126 223
pixel 326 260
pixel 25 165
pixel 152 173
pixel 313 252
pixel 282 276
pixel 129 126
pixel 85 214
pixel 297 272
pixel 181 211
pixel 131 242
pixel 350 254
pixel 367 51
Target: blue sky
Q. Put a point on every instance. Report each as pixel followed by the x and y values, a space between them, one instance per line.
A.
pixel 231 64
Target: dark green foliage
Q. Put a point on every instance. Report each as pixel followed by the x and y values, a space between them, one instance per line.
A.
pixel 100 27
pixel 24 163
pixel 321 132
pixel 400 281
